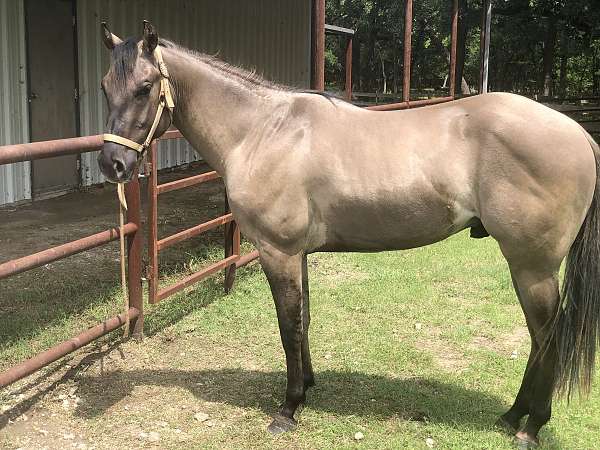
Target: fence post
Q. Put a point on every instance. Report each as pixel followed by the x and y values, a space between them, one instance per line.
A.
pixel 453 45
pixel 232 247
pixel 135 248
pixel 152 269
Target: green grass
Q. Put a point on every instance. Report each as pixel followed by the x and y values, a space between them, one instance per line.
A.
pixel 376 372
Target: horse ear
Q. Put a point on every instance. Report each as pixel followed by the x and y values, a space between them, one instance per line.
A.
pixel 110 40
pixel 150 37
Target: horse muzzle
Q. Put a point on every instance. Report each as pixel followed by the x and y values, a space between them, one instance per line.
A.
pixel 117 163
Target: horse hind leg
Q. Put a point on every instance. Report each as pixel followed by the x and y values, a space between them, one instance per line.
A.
pixel 511 420
pixel 536 284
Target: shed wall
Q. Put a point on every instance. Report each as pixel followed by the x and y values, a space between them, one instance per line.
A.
pixel 15 179
pixel 272 36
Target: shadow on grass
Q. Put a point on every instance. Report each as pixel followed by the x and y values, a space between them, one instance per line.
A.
pixel 337 392
pixel 79 290
pixel 68 291
pixel 72 370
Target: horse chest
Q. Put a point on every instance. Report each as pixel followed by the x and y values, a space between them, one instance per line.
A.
pixel 267 212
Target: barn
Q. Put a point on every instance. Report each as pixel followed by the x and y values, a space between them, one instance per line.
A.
pixel 53 60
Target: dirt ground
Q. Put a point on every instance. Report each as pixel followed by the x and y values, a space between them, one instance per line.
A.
pixel 38 225
pixel 33 227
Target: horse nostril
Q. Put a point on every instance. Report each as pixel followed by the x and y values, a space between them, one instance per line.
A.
pixel 119 167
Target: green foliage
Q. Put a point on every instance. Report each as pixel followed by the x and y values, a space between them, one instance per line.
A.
pixel 521 31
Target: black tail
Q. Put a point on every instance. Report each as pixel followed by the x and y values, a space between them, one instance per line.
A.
pixel 576 330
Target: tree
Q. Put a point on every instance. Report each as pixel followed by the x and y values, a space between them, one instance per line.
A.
pixel 538 47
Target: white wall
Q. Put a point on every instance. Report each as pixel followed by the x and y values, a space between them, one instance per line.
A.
pixel 15 179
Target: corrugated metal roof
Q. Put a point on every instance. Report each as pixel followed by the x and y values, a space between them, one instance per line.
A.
pixel 15 179
pixel 272 36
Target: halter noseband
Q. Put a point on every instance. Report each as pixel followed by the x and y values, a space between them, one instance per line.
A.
pixel 165 101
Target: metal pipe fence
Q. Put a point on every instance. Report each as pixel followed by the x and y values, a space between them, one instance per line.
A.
pixel 232 258
pixel 133 230
pixel 48 149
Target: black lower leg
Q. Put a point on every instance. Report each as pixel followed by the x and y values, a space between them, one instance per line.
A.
pixel 309 377
pixel 540 406
pixel 284 275
pixel 511 420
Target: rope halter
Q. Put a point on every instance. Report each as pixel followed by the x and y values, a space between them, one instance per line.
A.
pixel 165 101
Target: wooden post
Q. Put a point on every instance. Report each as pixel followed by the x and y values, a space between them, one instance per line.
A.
pixel 317 80
pixel 135 247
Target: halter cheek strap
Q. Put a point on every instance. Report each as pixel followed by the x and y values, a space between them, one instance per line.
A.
pixel 165 101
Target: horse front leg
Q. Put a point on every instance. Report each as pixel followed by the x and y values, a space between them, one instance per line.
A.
pixel 309 377
pixel 284 273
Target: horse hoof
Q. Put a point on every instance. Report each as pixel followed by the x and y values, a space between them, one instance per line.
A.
pixel 505 426
pixel 525 442
pixel 282 424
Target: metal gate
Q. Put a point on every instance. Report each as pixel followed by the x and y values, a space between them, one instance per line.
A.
pixel 232 258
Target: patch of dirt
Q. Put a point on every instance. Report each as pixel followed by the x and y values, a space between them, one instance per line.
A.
pixel 444 355
pixel 36 226
pixel 157 394
pixel 513 343
pixel 329 270
pixel 40 428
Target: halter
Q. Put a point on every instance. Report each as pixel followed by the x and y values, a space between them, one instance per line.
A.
pixel 165 101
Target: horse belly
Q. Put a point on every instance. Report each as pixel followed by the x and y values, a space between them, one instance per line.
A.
pixel 378 224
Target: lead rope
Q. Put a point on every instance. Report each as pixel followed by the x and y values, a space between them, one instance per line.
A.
pixel 122 209
pixel 166 101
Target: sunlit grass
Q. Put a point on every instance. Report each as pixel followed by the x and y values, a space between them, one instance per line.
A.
pixel 406 346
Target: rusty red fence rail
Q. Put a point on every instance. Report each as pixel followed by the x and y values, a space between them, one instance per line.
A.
pixel 48 149
pixel 133 230
pixel 232 258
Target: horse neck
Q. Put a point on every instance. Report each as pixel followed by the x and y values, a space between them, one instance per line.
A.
pixel 214 113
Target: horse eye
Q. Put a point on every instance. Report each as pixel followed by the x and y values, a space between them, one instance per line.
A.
pixel 144 90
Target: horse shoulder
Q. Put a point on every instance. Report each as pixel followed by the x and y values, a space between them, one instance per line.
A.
pixel 267 189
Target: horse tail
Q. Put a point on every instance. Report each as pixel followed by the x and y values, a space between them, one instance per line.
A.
pixel 576 328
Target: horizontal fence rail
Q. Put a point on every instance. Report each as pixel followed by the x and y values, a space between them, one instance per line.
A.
pixel 49 149
pixel 410 104
pixel 44 257
pixel 31 365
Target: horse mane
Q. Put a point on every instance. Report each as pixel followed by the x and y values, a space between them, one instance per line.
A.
pixel 125 55
pixel 248 78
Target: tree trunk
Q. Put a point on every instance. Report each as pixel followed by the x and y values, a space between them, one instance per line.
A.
pixel 563 75
pixel 548 63
pixel 357 76
pixel 370 81
pixel 595 76
pixel 383 73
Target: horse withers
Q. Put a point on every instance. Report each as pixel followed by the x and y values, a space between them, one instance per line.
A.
pixel 305 173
